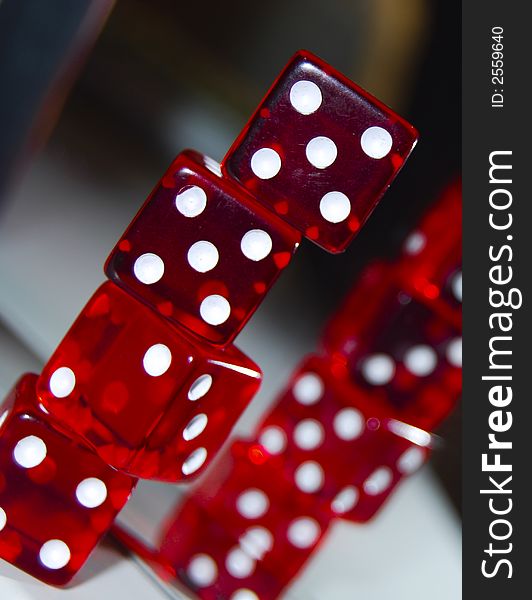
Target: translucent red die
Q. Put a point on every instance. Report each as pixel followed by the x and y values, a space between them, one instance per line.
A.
pixel 431 265
pixel 245 523
pixel 149 400
pixel 397 349
pixel 211 562
pixel 57 497
pixel 201 251
pixel 334 445
pixel 320 151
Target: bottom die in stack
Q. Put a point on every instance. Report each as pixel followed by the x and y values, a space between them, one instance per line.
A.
pixel 57 498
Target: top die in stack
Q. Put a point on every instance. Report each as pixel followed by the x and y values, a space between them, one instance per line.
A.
pixel 320 151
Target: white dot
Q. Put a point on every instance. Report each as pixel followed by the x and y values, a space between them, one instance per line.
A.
pixel 54 554
pixel 308 389
pixel 378 481
pixel 191 201
pixel 454 352
pixel 244 594
pixel 148 268
pixel 3 416
pixel 202 570
pixel 195 427
pixel 194 461
pixel 200 387
pixel 321 152
pixel 348 424
pixel 91 492
pixel 303 532
pixel 309 477
pixel 378 369
pixel 345 500
pixel 305 97
pixel 252 503
pixel 256 244
pixel 414 243
pixel 256 541
pixel 410 460
pixel 30 452
pixel 335 207
pixel 308 434
pixel 456 286
pixel 376 142
pixel 265 163
pixel 273 439
pixel 215 310
pixel 157 360
pixel 203 256
pixel 421 360
pixel 239 564
pixel 3 518
pixel 62 382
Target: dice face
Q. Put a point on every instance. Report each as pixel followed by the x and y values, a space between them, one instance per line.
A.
pixel 201 251
pixel 255 533
pixel 150 401
pixel 320 151
pixel 214 564
pixel 398 350
pixel 57 497
pixel 332 445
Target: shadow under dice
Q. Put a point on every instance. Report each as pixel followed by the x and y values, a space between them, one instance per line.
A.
pixel 201 251
pixel 334 446
pixel 57 497
pixel 149 400
pixel 398 350
pixel 320 151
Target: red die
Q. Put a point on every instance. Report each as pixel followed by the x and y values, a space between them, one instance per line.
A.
pixel 201 251
pixel 149 400
pixel 214 564
pixel 397 349
pixel 320 151
pixel 246 495
pixel 57 498
pixel 431 264
pixel 334 444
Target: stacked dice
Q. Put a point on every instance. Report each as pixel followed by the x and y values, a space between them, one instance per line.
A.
pixel 147 382
pixel 355 419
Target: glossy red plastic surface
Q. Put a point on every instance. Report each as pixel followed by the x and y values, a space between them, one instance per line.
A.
pixel 245 519
pixel 149 400
pixel 201 251
pixel 320 151
pixel 341 449
pixel 431 265
pixel 407 357
pixel 57 497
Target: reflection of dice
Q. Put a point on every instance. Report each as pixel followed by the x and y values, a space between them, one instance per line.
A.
pixel 57 498
pixel 215 564
pixel 397 349
pixel 337 446
pixel 320 151
pixel 149 400
pixel 201 251
pixel 430 268
pixel 256 533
